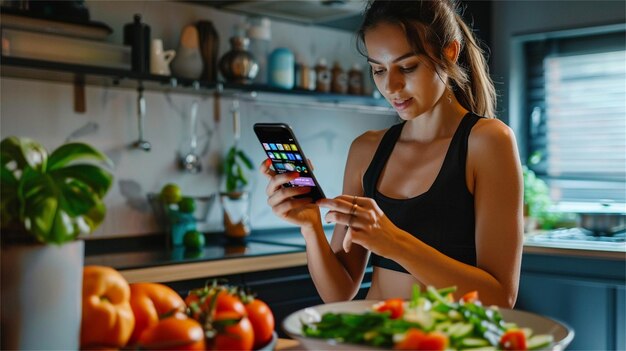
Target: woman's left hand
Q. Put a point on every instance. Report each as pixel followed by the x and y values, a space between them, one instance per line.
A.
pixel 366 223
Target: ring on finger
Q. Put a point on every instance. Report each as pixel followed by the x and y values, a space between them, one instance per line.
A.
pixel 353 210
pixel 354 199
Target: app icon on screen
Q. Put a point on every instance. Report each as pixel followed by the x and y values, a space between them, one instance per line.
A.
pixel 293 147
pixel 280 146
pixel 283 155
pixel 298 169
pixel 291 157
pixel 298 157
pixel 266 146
pixel 286 146
pixel 272 146
pixel 290 166
pixel 277 155
pixel 279 166
pixel 270 154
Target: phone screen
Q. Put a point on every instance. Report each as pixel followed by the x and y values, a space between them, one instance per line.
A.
pixel 282 148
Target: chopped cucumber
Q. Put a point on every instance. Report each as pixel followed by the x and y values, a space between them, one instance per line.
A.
pixel 460 330
pixel 482 348
pixel 527 332
pixel 473 342
pixel 443 326
pixel 539 341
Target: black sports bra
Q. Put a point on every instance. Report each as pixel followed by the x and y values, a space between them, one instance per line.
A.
pixel 443 216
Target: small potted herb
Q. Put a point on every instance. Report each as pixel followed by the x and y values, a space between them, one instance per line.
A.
pixel 236 199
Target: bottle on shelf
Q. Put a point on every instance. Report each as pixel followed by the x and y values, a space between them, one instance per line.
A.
pixel 339 80
pixel 137 35
pixel 260 35
pixel 355 80
pixel 304 75
pixel 322 76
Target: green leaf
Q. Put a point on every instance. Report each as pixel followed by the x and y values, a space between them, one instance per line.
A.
pixel 77 198
pixel 246 160
pixel 25 152
pixel 39 204
pixel 96 178
pixel 75 151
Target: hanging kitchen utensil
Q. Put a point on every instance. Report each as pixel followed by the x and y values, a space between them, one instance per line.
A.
pixel 191 161
pixel 141 114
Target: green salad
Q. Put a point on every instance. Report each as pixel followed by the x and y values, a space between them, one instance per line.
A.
pixel 431 320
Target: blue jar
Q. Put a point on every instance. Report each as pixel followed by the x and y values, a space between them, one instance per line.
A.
pixel 281 69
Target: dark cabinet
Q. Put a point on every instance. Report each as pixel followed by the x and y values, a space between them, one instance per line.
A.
pixel 586 294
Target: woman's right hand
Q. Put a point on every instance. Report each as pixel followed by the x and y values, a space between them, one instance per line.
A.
pixel 302 211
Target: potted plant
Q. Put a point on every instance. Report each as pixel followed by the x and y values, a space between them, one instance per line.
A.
pixel 47 202
pixel 235 199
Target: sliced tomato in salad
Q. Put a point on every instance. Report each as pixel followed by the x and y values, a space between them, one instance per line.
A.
pixel 471 296
pixel 513 340
pixel 394 306
pixel 415 339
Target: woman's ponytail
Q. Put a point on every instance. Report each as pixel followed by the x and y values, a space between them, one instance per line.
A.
pixel 477 92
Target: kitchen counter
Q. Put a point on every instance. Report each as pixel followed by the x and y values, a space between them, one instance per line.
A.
pixel 147 259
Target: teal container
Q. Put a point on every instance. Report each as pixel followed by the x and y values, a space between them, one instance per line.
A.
pixel 180 223
pixel 281 68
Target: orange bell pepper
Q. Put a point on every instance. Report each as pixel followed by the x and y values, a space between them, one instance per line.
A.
pixel 152 302
pixel 107 319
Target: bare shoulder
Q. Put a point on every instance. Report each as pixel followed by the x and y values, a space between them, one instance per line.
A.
pixel 491 133
pixel 492 144
pixel 362 150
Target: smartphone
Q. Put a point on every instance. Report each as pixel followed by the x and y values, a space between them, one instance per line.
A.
pixel 281 147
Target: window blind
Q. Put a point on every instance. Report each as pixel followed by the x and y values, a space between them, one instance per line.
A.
pixel 576 95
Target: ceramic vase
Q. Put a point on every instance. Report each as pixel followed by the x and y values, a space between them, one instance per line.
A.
pixel 42 296
pixel 188 61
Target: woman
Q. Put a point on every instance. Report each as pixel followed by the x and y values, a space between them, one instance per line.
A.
pixel 436 199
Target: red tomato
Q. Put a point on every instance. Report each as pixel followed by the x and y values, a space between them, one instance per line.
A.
pixel 395 306
pixel 203 299
pixel 471 296
pixel 411 341
pixel 234 332
pixel 416 339
pixel 434 341
pixel 174 333
pixel 262 321
pixel 513 340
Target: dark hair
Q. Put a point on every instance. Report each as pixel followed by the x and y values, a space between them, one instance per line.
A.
pixel 430 25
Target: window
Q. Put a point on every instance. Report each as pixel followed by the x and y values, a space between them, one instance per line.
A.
pixel 575 114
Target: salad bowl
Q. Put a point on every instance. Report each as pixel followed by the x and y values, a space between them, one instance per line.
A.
pixel 292 325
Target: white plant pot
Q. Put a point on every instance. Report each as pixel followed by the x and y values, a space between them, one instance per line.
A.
pixel 41 296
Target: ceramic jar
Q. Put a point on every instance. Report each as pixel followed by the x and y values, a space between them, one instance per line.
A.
pixel 188 61
pixel 281 68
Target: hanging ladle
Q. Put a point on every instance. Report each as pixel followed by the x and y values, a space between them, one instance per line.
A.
pixel 191 161
pixel 141 112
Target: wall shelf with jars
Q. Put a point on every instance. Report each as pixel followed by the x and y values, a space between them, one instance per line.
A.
pixel 84 75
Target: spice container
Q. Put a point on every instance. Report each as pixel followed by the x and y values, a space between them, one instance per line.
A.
pixel 355 80
pixel 322 77
pixel 339 80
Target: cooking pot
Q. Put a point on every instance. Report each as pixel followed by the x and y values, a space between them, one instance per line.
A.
pixel 602 223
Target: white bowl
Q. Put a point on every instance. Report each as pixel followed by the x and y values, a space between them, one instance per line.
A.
pixel 563 335
pixel 271 344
